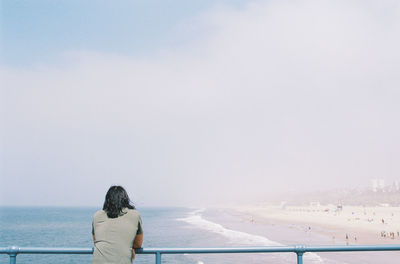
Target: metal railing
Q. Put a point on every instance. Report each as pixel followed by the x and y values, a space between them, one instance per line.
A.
pixel 299 250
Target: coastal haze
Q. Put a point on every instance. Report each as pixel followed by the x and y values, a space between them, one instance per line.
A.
pixel 228 104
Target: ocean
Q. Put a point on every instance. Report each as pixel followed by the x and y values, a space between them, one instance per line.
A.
pixel 163 227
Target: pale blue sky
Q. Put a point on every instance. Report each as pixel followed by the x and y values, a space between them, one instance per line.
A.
pixel 196 102
pixel 38 31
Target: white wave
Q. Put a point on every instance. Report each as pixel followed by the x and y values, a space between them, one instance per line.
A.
pixel 195 218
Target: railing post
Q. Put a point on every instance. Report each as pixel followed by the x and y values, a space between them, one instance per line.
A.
pixel 158 258
pixel 300 249
pixel 299 257
pixel 13 251
pixel 13 258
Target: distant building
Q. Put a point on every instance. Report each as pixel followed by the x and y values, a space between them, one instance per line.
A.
pixel 377 185
pixel 381 185
pixel 396 186
pixel 315 204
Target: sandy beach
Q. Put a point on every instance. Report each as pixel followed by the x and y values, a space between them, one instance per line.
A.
pixel 324 225
pixel 351 224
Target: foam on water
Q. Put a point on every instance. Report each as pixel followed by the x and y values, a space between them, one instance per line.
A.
pixel 195 218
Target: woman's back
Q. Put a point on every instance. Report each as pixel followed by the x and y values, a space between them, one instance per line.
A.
pixel 114 237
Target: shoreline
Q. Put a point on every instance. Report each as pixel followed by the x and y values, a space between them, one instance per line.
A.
pixel 288 227
pixel 361 225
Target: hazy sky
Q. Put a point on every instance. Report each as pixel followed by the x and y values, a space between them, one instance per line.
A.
pixel 196 102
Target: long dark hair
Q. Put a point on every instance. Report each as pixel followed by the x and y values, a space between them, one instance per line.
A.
pixel 116 199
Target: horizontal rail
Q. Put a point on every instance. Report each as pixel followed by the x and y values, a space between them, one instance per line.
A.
pixel 298 249
pixel 45 250
pixel 279 249
pixel 214 250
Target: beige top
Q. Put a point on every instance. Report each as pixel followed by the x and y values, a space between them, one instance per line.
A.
pixel 114 236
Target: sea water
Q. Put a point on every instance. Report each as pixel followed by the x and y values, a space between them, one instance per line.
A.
pixel 163 227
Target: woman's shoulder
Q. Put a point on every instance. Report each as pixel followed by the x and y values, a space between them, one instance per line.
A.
pixel 100 213
pixel 133 212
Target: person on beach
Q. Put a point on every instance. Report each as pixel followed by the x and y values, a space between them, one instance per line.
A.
pixel 117 229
